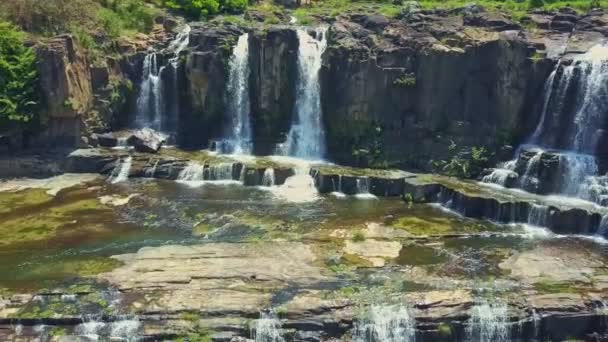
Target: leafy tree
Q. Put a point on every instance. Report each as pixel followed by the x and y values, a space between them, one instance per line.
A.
pixel 18 80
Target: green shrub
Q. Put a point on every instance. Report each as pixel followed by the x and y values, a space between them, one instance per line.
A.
pixel 406 81
pixel 358 237
pixel 195 9
pixel 18 80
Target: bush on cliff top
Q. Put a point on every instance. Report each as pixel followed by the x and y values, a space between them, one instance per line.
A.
pixel 18 80
pixel 197 9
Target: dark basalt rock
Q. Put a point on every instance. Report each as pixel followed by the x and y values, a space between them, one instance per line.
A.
pixel 106 139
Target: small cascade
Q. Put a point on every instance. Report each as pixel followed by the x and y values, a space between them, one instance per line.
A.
pixel 238 137
pixel 193 174
pixel 126 328
pixel 385 323
pixel 149 101
pixel 267 328
pixel 603 227
pixel 363 189
pixel 338 188
pixel 152 171
pixel 575 169
pixel 121 144
pixel 299 188
pixel 489 322
pixel 306 138
pixel 268 179
pixel 538 215
pixel 196 174
pixel 121 171
pixel 220 172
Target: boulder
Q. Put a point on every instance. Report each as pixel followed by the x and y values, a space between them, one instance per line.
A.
pixel 146 140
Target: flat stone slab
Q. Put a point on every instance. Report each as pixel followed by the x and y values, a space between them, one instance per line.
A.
pixel 216 277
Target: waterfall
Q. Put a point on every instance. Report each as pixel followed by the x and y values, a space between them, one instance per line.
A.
pixel 149 101
pixel 121 171
pixel 267 328
pixel 268 178
pixel 306 138
pixel 571 122
pixel 576 168
pixel 179 44
pixel 489 322
pixel 150 106
pixel 238 139
pixel 385 323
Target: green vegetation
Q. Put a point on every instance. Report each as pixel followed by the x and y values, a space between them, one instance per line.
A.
pixel 18 80
pixel 358 237
pixel 547 287
pixel 200 9
pixel 464 163
pixel 406 81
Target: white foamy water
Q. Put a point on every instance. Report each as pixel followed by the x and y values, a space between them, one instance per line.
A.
pixel 121 172
pixel 299 188
pixel 363 189
pixel 385 323
pixel 238 135
pixel 306 138
pixel 268 179
pixel 489 322
pixel 267 328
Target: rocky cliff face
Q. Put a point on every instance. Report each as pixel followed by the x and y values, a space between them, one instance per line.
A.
pixel 402 91
pixel 206 74
pixel 66 88
pixel 413 89
pixel 273 61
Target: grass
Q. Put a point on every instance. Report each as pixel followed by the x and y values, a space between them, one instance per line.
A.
pixel 549 287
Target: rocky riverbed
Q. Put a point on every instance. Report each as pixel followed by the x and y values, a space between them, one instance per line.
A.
pixel 159 259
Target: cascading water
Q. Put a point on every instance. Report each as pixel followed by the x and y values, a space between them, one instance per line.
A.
pixel 337 186
pixel 149 101
pixel 238 137
pixel 179 44
pixel 385 323
pixel 267 328
pixel 121 171
pixel 150 106
pixel 363 189
pixel 124 329
pixel 195 174
pixel 489 322
pixel 268 179
pixel 573 113
pixel 306 138
pixel 538 216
